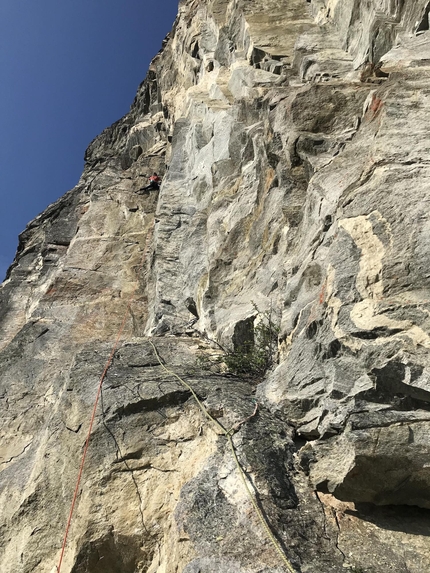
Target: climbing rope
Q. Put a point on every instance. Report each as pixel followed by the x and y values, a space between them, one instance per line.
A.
pixel 93 415
pixel 221 431
pixel 229 435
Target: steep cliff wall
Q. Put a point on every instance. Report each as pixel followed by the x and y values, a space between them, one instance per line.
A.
pixel 292 137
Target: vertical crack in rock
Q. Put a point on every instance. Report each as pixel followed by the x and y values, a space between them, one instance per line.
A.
pixel 123 459
pixel 324 509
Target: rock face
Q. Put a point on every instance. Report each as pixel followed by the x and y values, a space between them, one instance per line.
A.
pixel 292 137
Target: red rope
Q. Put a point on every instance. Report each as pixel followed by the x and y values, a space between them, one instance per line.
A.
pixel 108 364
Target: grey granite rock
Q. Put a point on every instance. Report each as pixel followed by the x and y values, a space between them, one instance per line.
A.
pixel 292 138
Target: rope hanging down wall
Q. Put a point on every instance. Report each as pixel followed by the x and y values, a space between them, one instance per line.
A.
pixel 93 415
pixel 228 434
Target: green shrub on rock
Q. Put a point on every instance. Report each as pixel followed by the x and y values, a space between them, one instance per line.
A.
pixel 255 348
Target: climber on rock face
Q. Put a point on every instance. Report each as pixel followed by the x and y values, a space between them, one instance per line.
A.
pixel 154 183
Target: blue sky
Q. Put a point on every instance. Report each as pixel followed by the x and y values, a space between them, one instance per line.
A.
pixel 68 69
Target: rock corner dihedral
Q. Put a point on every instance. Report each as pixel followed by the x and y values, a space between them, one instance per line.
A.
pixel 291 137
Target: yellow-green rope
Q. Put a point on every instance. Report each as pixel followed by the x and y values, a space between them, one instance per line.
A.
pixel 228 435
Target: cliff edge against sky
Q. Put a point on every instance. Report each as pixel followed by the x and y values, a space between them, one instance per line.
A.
pixel 292 137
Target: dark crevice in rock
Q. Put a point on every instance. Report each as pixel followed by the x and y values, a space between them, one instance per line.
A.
pixel 135 455
pixel 376 333
pixel 405 518
pixel 124 459
pixel 332 350
pixel 195 51
pixel 151 404
pixel 75 431
pixel 131 471
pixel 390 386
pixel 110 553
pixel 312 329
pixel 190 304
pixel 324 516
pixel 44 331
pixel 299 441
pixel 62 243
pixel 425 24
pixel 147 364
pixel 336 519
pixel 328 221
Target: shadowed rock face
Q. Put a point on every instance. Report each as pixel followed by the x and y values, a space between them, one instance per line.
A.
pixel 292 137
